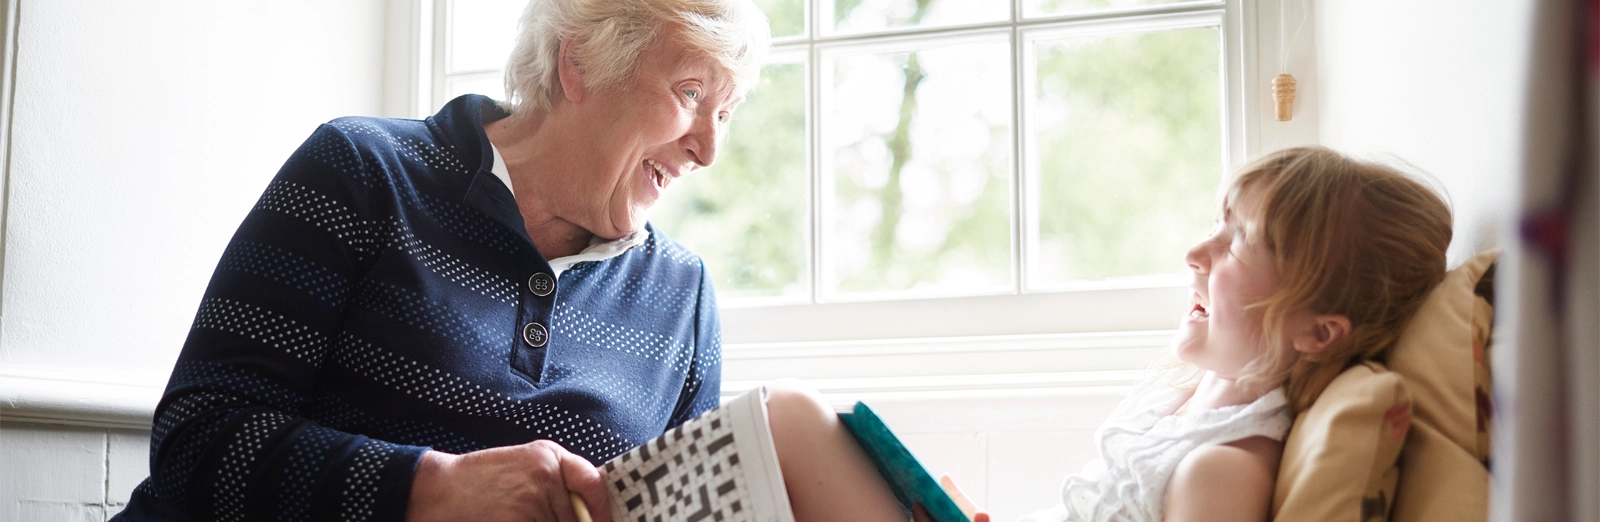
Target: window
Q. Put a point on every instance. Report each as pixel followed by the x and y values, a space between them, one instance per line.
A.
pixel 914 169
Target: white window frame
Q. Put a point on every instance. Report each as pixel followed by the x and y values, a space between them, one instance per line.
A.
pixel 1106 326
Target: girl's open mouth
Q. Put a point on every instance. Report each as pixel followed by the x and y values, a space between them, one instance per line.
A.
pixel 1197 308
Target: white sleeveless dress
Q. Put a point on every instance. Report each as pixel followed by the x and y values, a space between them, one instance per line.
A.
pixel 1141 444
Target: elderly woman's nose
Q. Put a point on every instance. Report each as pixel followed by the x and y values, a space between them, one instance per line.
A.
pixel 702 140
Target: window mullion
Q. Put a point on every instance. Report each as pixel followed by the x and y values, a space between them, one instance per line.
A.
pixel 814 167
pixel 1019 207
pixel 814 147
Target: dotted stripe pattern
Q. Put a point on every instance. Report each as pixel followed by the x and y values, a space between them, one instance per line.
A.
pixel 239 463
pixel 417 311
pixel 245 387
pixel 334 413
pixel 443 158
pixel 434 156
pixel 182 410
pixel 587 329
pixel 647 293
pixel 362 484
pixel 267 327
pixel 307 459
pixel 710 358
pixel 457 271
pixel 209 394
pixel 365 237
pixel 673 251
pixel 281 266
pixel 469 224
pixel 336 151
pixel 575 432
pixel 626 391
pixel 354 190
pixel 181 460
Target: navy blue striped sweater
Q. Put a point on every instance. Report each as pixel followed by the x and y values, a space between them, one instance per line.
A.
pixel 383 298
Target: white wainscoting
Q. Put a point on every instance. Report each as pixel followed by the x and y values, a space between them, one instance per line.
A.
pixel 69 473
pixel 1007 416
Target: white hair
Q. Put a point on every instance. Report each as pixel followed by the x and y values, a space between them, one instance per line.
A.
pixel 609 37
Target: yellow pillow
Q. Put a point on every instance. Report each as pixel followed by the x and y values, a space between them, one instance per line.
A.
pixel 1339 458
pixel 1442 357
pixel 1435 354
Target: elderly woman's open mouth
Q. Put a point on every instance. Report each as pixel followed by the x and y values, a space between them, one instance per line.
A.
pixel 661 174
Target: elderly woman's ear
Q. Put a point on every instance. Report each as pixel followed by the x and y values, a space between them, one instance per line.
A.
pixel 572 86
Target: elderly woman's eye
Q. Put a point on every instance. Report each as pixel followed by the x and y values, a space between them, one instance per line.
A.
pixel 692 94
pixel 723 117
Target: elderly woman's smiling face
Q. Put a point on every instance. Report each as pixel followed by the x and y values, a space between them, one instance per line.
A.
pixel 663 124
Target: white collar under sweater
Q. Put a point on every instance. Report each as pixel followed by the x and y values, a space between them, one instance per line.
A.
pixel 599 249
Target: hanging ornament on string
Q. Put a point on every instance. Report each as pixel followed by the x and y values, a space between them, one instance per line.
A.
pixel 1283 92
pixel 1284 85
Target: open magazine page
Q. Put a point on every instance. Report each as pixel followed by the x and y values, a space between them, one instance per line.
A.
pixel 718 467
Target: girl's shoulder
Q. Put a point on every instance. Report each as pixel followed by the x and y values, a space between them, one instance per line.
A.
pixel 1228 481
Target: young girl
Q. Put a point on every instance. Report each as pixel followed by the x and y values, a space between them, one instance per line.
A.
pixel 1316 261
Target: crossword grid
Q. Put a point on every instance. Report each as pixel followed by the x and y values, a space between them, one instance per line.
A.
pixel 689 474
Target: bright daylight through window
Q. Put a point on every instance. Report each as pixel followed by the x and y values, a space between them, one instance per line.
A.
pixel 909 149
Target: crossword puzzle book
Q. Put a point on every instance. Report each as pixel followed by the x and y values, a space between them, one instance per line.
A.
pixel 718 467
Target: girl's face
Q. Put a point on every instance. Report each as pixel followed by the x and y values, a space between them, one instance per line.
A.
pixel 1232 269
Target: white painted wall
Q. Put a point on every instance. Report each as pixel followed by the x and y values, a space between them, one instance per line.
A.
pixel 142 133
pixel 1437 83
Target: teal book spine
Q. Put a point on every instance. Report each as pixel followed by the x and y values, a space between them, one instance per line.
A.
pixel 910 481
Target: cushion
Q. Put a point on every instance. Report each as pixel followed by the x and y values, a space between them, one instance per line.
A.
pixel 1435 395
pixel 1443 357
pixel 1339 458
pixel 1437 354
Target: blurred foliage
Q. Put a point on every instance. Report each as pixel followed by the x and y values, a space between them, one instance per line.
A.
pixel 1128 170
pixel 843 8
pixel 1049 7
pixel 746 215
pixel 851 16
pixel 784 17
pixel 1129 152
pixel 973 252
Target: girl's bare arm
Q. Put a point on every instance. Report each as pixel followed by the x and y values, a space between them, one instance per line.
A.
pixel 1225 482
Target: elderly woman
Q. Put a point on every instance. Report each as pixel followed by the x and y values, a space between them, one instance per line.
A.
pixel 455 318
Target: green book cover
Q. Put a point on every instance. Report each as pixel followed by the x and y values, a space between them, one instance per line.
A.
pixel 910 481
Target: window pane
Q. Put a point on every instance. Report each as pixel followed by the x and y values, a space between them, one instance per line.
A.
pixel 852 16
pixel 785 17
pixel 918 154
pixel 482 33
pixel 488 84
pixel 1033 8
pixel 1128 137
pixel 747 214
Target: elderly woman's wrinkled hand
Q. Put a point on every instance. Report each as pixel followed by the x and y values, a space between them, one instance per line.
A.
pixel 527 482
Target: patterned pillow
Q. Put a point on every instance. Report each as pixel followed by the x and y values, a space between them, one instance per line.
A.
pixel 1443 357
pixel 1482 382
pixel 1339 458
pixel 1434 403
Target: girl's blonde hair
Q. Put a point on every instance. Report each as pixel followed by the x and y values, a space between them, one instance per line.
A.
pixel 1347 237
pixel 609 37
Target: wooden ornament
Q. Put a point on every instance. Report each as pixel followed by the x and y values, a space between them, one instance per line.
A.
pixel 1283 92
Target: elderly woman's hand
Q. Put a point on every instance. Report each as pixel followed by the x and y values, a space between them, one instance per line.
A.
pixel 528 482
